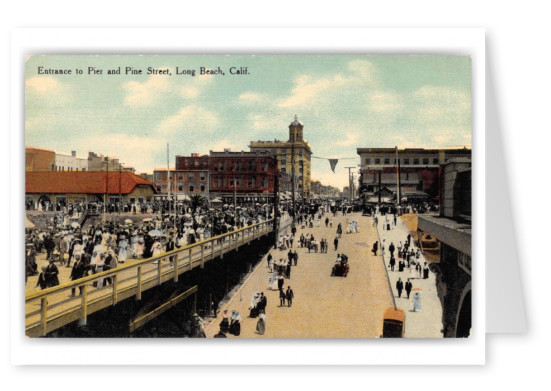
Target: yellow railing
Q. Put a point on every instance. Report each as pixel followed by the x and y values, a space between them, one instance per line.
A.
pixel 133 283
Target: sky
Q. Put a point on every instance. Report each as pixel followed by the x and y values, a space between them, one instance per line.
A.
pixel 344 102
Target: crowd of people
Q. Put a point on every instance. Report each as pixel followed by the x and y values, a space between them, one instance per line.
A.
pixel 100 246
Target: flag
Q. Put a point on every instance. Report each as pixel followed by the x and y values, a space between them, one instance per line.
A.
pixel 333 163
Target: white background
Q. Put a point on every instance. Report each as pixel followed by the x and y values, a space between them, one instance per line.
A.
pixel 517 48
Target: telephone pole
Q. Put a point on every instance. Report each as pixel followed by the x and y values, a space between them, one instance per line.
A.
pixel 350 182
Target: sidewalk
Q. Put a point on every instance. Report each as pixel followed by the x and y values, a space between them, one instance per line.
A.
pixel 426 323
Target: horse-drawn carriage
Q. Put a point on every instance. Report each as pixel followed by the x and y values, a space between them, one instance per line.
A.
pixel 341 267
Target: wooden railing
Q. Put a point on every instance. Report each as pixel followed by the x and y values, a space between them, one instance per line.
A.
pixel 129 279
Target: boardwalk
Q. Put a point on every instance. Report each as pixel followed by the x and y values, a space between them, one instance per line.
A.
pixel 324 306
pixel 54 307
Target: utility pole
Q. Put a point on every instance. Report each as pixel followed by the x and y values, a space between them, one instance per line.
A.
pixel 350 182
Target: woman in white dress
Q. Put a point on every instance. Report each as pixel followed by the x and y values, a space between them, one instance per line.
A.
pixel 123 250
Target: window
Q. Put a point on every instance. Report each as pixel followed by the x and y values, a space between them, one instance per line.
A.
pixel 377 160
pixel 265 182
pixel 202 188
pixel 425 160
pixel 191 175
pixel 158 176
pixel 158 186
pixel 387 160
pixel 180 177
pixel 435 160
pixel 203 176
pixel 191 188
pixel 416 160
pixel 406 160
pixel 180 187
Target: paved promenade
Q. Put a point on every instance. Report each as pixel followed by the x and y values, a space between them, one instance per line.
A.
pixel 426 323
pixel 324 306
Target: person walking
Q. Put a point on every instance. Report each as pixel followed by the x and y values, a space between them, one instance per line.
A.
pixel 391 248
pixel 399 287
pixel 336 243
pixel 392 263
pixel 375 248
pixel 282 298
pixel 289 295
pixel 409 287
pixel 295 257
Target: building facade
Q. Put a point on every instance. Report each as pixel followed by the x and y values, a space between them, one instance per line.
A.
pixel 99 162
pixel 452 227
pixel 182 182
pixel 419 169
pixel 245 176
pixel 39 159
pixel 72 186
pixel 66 162
pixel 293 156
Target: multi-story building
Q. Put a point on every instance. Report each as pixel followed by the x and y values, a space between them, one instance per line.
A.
pixel 99 162
pixel 39 159
pixel 245 176
pixel 293 156
pixel 419 169
pixel 66 162
pixel 453 229
pixel 182 182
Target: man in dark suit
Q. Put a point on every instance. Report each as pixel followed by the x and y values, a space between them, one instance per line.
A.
pixel 409 286
pixel 391 248
pixel 289 295
pixel 262 303
pixel 399 287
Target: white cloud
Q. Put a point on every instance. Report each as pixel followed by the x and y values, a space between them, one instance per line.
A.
pixel 146 93
pixel 43 85
pixel 307 90
pixel 196 86
pixel 382 102
pixel 351 139
pixel 250 97
pixel 190 118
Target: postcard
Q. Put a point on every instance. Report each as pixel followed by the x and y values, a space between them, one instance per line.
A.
pixel 248 196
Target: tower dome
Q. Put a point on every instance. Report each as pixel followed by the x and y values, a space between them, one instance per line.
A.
pixel 295 130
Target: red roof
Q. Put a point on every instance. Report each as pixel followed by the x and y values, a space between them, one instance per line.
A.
pixel 82 182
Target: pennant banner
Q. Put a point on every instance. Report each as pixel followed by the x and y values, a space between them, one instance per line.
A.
pixel 333 163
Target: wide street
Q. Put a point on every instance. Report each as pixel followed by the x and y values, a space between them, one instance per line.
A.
pixel 323 306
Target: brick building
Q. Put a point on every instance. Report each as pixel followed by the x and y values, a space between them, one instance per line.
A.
pixel 419 169
pixel 249 176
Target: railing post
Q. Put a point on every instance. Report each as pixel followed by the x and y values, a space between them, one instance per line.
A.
pixel 212 244
pixel 189 258
pixel 84 305
pixel 44 314
pixel 159 265
pixel 176 267
pixel 114 289
pixel 202 255
pixel 139 286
